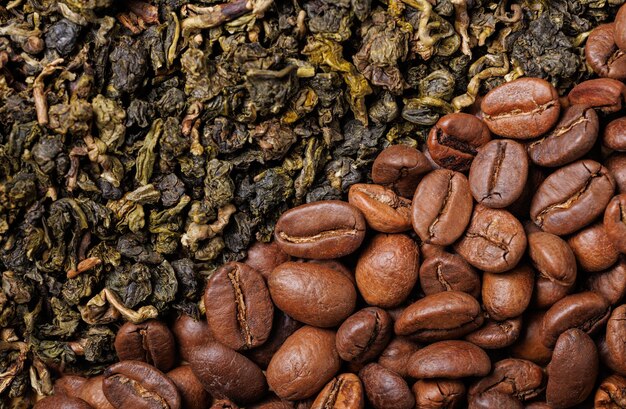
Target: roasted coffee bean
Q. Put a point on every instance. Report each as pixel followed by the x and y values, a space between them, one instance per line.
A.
pixel 343 392
pixel 507 295
pixel 272 402
pixel 400 167
pixel 385 389
pixel 521 109
pixel 593 248
pixel 93 393
pixel 325 229
pixel 312 293
pixel 238 306
pixel 494 399
pixel 304 363
pixel 603 55
pixel 521 207
pixel 604 94
pixel 611 283
pixel 192 394
pixel 449 359
pixel 445 315
pixel 364 335
pixel 226 373
pixel 382 208
pixel 454 140
pixel 614 136
pixel 606 357
pixel 516 377
pixel 530 344
pixel 556 268
pixel 61 402
pixel 282 328
pixel 538 405
pixel 611 394
pixel 190 333
pixel 151 342
pixel 387 270
pixel 431 250
pixel 586 311
pixel 496 334
pixel 264 257
pixel 572 197
pixel 135 384
pixel 573 369
pixel 442 207
pixel 573 137
pixel 69 385
pixel 448 272
pixel 498 174
pixel 438 394
pixel 396 356
pixel 224 404
pixel 494 240
pixel 616 164
pixel 620 28
pixel 615 222
pixel 616 339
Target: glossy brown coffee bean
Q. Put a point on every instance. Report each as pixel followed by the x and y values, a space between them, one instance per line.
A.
pixel 135 384
pixel 264 257
pixel 304 363
pixel 499 172
pixel 587 311
pixel 448 272
pixel 387 269
pixel 61 402
pixel 224 404
pixel 335 265
pixel 190 333
pixel 611 394
pixel 454 140
pixel 442 207
pixel 538 405
pixel 382 208
pixel 400 167
pixel 603 55
pixel 573 369
pixel 616 164
pixel 614 136
pixel 494 399
pixel 90 391
pixel 593 248
pixel 445 315
pixel 573 137
pixel 555 264
pixel 496 334
pixel 521 109
pixel 530 344
pixel 616 339
pixel 611 283
pixel 325 229
pixel 192 394
pixel 521 207
pixel 239 309
pixel 342 392
pixel 272 402
pixel 516 377
pixel 604 94
pixel 151 342
pixel 282 328
pixel 507 295
pixel 572 197
pixel 69 385
pixel 438 394
pixel 224 372
pixel 396 356
pixel 620 28
pixel 449 359
pixel 385 389
pixel 312 293
pixel 364 335
pixel 494 240
pixel 615 222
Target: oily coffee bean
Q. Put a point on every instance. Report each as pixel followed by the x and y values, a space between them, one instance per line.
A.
pixel 573 369
pixel 224 404
pixel 507 295
pixel 572 197
pixel 449 359
pixel 385 389
pixel 587 311
pixel 593 248
pixel 135 384
pixel 494 399
pixel 239 309
pixel 530 344
pixel 611 283
pixel 364 335
pixel 611 394
pixel 455 139
pixel 192 394
pixel 224 372
pixel 272 402
pixel 438 394
pixel 615 222
pixel 603 55
pixel 448 272
pixel 304 363
pixel 312 293
pixel 151 342
pixel 556 268
pixel 521 109
pixel 264 257
pixel 325 229
pixel 571 139
pixel 92 392
pixel 605 357
pixel 616 164
pixel 387 270
pixel 494 240
pixel 516 377
pixel 190 333
pixel 61 402
pixel 282 328
pixel 342 392
pixel 445 315
pixel 620 28
pixel 616 339
pixel 382 208
pixel 498 174
pixel 400 167
pixel 605 94
pixel 614 136
pixel 496 334
pixel 396 356
pixel 431 250
pixel 69 385
pixel 521 207
pixel 538 405
pixel 442 207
